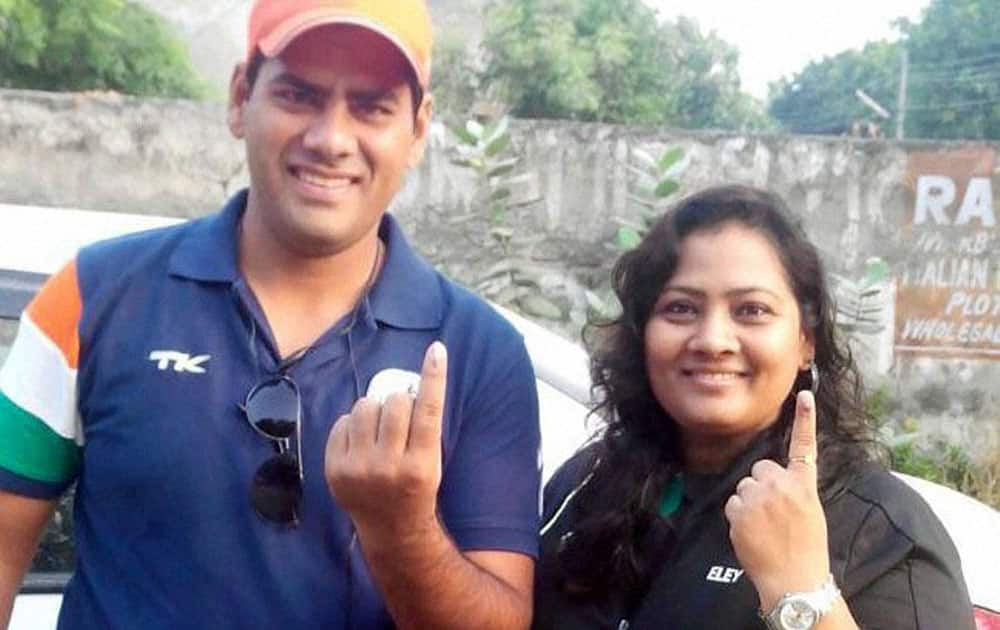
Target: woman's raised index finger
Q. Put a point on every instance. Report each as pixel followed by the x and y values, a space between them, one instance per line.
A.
pixel 802 448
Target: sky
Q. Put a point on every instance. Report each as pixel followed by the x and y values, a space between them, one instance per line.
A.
pixel 776 38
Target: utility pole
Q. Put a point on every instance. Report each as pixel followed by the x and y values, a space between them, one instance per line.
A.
pixel 904 71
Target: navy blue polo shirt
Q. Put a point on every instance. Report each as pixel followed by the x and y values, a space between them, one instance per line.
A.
pixel 158 338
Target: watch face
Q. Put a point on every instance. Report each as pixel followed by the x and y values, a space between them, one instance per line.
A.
pixel 797 614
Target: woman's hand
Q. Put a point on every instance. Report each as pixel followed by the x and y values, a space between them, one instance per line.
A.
pixel 776 521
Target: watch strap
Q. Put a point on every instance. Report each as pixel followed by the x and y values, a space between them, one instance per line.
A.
pixel 821 600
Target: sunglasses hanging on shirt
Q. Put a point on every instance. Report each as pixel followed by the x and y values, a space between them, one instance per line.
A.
pixel 273 408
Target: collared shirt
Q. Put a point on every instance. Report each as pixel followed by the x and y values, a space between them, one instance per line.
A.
pixel 125 377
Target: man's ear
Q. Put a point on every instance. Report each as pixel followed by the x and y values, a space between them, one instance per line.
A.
pixel 239 94
pixel 421 131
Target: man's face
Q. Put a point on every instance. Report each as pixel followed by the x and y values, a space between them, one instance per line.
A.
pixel 330 131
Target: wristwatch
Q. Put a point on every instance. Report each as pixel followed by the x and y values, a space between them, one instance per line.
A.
pixel 802 611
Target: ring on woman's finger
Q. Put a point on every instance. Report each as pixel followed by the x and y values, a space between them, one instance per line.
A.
pixel 809 460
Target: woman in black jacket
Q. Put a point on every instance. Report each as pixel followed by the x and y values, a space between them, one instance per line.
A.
pixel 733 485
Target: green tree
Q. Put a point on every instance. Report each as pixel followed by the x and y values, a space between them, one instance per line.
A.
pixel 72 45
pixel 954 78
pixel 821 97
pixel 611 61
pixel 455 81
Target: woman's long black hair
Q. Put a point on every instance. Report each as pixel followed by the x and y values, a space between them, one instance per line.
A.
pixel 639 450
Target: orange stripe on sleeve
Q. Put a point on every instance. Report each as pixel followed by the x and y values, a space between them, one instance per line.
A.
pixel 56 311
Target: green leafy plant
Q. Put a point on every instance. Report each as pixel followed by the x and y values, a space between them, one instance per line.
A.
pixel 951 90
pixel 654 182
pixel 878 406
pixel 612 61
pixel 75 45
pixel 815 101
pixel 936 460
pixel 455 81
pixel 486 149
pixel 940 462
pixel 863 303
pixel 949 465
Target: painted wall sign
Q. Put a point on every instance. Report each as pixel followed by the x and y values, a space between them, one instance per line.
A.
pixel 948 294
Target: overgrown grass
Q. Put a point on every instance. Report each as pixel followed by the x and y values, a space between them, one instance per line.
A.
pixel 949 465
pixel 939 461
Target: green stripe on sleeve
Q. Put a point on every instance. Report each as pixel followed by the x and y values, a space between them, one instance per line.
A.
pixel 28 447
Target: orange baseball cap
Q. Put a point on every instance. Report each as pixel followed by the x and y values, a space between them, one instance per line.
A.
pixel 406 23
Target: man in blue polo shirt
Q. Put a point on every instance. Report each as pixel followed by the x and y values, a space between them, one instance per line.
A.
pixel 280 415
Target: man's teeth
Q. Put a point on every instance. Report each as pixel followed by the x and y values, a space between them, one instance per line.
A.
pixel 324 182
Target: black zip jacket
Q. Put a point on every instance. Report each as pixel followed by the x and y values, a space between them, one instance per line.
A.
pixel 894 562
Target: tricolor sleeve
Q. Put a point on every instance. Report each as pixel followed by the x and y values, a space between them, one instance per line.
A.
pixel 40 431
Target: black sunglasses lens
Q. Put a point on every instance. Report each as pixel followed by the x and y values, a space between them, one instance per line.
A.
pixel 277 489
pixel 273 408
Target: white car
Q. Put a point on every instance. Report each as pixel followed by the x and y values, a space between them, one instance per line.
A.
pixel 37 241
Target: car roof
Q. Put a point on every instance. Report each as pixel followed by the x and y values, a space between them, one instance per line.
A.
pixel 39 240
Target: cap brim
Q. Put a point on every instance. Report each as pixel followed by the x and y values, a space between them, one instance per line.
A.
pixel 280 37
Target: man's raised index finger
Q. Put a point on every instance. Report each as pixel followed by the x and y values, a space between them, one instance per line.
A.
pixel 428 409
pixel 802 449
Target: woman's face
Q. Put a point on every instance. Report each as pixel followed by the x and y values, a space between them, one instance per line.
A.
pixel 724 341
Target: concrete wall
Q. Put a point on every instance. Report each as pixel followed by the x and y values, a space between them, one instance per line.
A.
pixel 926 209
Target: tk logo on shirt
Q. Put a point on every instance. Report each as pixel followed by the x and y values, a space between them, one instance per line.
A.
pixel 181 361
pixel 724 575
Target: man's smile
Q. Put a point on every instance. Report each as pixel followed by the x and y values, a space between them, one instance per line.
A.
pixel 329 181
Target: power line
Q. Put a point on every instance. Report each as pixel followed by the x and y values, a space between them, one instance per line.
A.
pixel 987 74
pixel 957 61
pixel 957 75
pixel 954 105
pixel 845 102
pixel 841 120
pixel 940 77
pixel 988 67
pixel 829 120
